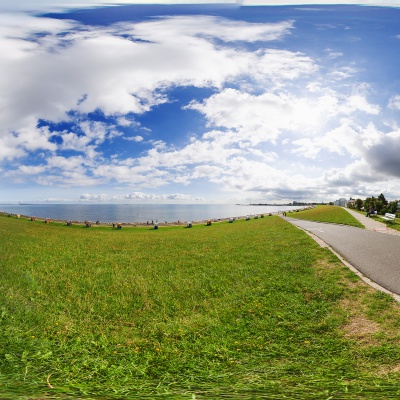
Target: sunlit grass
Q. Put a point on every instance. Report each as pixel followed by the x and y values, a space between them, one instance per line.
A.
pixel 249 309
pixel 326 213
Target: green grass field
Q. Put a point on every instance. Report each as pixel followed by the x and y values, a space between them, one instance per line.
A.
pixel 253 309
pixel 326 213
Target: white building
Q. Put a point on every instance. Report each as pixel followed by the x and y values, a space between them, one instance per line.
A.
pixel 341 202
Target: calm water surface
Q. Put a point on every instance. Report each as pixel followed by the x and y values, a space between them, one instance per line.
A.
pixel 138 212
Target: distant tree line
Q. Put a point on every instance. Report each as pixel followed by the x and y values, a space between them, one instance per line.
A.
pixel 379 204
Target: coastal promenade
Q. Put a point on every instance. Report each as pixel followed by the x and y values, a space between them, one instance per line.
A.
pixel 374 252
pixel 371 223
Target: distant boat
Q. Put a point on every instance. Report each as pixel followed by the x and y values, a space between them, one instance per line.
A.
pixel 24 204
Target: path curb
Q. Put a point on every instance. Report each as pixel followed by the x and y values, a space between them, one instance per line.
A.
pixel 368 281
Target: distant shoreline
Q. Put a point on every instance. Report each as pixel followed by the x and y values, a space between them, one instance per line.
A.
pixel 279 205
pixel 126 224
pixel 144 224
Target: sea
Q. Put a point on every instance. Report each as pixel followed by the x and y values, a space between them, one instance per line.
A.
pixel 141 213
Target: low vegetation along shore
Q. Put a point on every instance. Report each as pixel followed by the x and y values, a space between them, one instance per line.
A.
pixel 252 309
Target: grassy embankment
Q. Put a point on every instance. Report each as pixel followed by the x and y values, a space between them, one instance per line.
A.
pixel 326 213
pixel 251 309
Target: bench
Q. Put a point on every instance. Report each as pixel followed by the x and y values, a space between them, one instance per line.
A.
pixel 389 217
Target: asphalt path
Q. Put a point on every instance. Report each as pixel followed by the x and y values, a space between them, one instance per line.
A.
pixel 376 255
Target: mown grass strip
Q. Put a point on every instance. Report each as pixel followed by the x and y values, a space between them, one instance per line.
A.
pixel 249 309
pixel 326 213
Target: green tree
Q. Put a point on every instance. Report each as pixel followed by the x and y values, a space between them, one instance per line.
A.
pixel 380 207
pixel 381 198
pixel 369 202
pixel 392 207
pixel 358 204
pixel 380 204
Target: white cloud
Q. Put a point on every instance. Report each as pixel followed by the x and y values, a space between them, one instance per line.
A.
pixel 124 121
pixel 27 139
pixel 31 170
pixel 70 68
pixel 207 171
pixel 149 177
pixel 243 175
pixel 257 119
pixel 383 156
pixel 342 73
pixel 375 170
pixel 334 54
pixel 56 71
pixel 341 140
pixel 67 164
pixel 394 102
pixel 211 27
pixel 98 131
pixel 172 196
pixel 359 103
pixel 136 138
pixel 141 196
pixel 71 141
pixel 197 152
pixel 9 149
pixel 275 65
pixel 307 147
pixel 91 197
pixel 66 180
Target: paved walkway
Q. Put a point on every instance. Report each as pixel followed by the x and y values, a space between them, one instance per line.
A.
pixel 373 252
pixel 371 223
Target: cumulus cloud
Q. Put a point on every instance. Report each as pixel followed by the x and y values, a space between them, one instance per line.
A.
pixel 136 138
pixel 141 196
pixel 376 169
pixel 32 170
pixel 9 149
pixel 359 103
pixel 92 197
pixel 72 96
pixel 172 196
pixel 263 118
pixel 383 156
pixel 394 102
pixel 260 118
pixel 54 67
pixel 213 27
pixel 27 139
pixel 341 140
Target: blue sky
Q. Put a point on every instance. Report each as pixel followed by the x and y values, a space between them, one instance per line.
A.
pixel 208 103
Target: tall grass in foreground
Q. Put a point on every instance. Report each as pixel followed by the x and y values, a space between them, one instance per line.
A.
pixel 332 214
pixel 251 309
